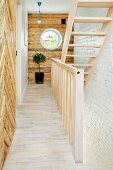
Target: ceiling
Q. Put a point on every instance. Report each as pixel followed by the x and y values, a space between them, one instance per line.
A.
pixel 48 6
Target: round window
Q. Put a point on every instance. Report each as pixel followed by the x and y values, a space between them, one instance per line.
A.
pixel 50 39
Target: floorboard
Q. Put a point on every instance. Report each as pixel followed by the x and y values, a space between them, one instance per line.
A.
pixel 40 141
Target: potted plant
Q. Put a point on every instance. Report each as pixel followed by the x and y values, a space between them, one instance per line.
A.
pixel 39 76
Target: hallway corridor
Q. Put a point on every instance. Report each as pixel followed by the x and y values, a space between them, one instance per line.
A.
pixel 40 142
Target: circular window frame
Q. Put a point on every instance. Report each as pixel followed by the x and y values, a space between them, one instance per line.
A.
pixel 58 35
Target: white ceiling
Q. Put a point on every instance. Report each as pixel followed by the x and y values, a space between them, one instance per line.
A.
pixel 48 6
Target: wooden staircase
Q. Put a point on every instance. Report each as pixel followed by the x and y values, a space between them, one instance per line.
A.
pixel 73 19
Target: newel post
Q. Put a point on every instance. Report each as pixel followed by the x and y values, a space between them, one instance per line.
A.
pixel 78 108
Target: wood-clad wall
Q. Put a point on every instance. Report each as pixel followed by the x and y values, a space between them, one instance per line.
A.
pixel 34 32
pixel 7 75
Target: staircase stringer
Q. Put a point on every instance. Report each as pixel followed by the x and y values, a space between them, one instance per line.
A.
pixel 107 28
pixel 69 27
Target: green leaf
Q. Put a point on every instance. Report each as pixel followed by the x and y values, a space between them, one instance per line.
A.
pixel 39 58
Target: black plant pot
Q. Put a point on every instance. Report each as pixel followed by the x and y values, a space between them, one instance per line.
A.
pixel 39 78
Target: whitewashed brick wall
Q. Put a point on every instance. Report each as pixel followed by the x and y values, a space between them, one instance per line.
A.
pixel 98 115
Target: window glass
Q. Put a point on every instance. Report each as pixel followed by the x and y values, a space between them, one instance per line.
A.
pixel 51 39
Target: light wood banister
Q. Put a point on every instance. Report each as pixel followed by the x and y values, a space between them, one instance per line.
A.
pixel 68 89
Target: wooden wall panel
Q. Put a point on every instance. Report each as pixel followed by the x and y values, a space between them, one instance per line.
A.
pixel 34 32
pixel 7 75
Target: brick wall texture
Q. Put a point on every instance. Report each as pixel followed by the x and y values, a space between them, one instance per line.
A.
pixel 98 115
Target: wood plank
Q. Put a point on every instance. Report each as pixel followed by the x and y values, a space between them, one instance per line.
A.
pixel 67 88
pixel 85 56
pixel 45 145
pixel 77 116
pixel 86 73
pixel 84 45
pixel 34 33
pixel 92 19
pixel 69 27
pixel 96 3
pixel 7 75
pixel 82 65
pixel 88 33
pixel 67 67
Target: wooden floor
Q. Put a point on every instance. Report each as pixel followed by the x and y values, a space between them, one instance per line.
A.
pixel 40 142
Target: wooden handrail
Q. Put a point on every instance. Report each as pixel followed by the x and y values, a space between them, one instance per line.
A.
pixel 68 89
pixel 68 67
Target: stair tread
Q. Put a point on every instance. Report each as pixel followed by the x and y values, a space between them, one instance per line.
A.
pixel 86 73
pixel 82 65
pixel 89 33
pixel 93 19
pixel 95 3
pixel 84 45
pixel 91 56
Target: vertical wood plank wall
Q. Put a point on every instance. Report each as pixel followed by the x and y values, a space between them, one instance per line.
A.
pixel 34 32
pixel 7 75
